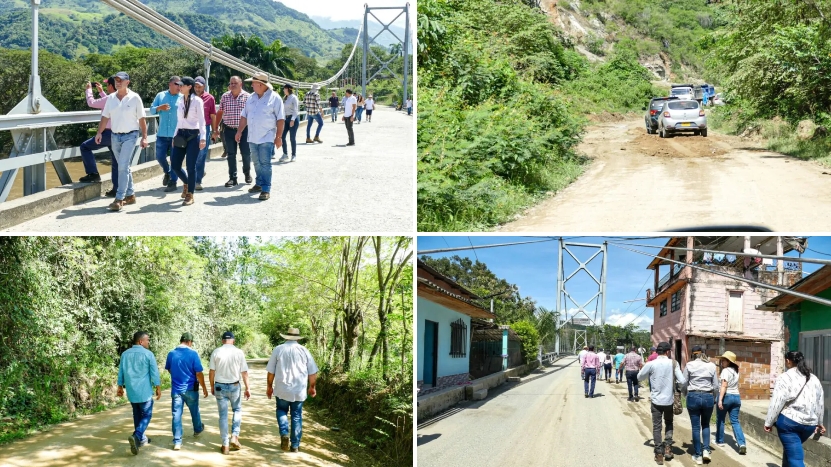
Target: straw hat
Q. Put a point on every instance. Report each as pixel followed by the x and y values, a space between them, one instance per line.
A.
pixel 729 356
pixel 261 78
pixel 293 334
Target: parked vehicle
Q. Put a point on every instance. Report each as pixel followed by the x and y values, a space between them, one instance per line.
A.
pixel 682 91
pixel 682 116
pixel 718 100
pixel 653 112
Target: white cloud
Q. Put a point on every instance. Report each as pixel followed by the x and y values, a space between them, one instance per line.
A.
pixel 344 9
pixel 622 319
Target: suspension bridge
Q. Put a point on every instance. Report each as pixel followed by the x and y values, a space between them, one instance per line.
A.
pixel 331 187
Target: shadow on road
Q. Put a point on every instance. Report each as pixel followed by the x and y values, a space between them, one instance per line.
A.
pixel 427 438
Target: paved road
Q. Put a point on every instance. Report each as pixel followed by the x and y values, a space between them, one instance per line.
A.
pixel 101 439
pixel 546 421
pixel 330 188
pixel 640 182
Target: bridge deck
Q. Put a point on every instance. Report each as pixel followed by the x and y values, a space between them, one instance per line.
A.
pixel 330 188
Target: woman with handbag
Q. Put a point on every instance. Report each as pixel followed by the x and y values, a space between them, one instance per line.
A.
pixel 189 139
pixel 702 382
pixel 729 401
pixel 796 408
pixel 291 108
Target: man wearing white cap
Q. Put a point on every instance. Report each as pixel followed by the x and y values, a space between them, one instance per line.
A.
pixel 292 373
pixel 227 367
pixel 314 113
pixel 264 117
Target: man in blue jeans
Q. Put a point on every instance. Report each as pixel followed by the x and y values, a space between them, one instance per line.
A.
pixel 138 372
pixel 294 366
pixel 164 104
pixel 314 113
pixel 334 103
pixel 264 117
pixel 185 378
pixel 227 367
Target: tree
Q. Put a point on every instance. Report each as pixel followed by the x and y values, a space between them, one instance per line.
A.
pixel 274 59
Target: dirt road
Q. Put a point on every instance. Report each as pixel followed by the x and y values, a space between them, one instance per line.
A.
pixel 101 439
pixel 546 421
pixel 640 182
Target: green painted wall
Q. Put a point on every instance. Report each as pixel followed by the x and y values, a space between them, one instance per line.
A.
pixel 793 325
pixel 811 317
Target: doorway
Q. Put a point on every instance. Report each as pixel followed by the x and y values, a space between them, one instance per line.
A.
pixel 431 352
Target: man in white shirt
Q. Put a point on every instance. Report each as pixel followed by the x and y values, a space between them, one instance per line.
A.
pixel 410 106
pixel 264 117
pixel 350 106
pixel 370 106
pixel 124 110
pixel 227 366
pixel 290 367
pixel 580 357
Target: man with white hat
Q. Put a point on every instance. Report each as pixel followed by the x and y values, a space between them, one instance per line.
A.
pixel 292 373
pixel 314 113
pixel 264 117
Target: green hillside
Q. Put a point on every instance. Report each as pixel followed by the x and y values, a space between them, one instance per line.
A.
pixel 76 27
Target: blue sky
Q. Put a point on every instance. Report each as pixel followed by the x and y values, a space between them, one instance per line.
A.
pixel 533 267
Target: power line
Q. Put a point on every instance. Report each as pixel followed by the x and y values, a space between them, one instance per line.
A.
pixel 825 262
pixel 474 249
pixel 445 250
pixel 818 252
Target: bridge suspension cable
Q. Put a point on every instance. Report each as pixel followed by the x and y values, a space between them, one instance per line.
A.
pixel 159 23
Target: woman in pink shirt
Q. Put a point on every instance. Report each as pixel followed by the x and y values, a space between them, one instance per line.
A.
pixel 591 363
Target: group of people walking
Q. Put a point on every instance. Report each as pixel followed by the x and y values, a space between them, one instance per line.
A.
pixel 796 407
pixel 255 124
pixel 292 374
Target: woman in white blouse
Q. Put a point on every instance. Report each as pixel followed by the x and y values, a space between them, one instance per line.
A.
pixel 729 402
pixel 360 110
pixel 291 108
pixel 190 128
pixel 796 408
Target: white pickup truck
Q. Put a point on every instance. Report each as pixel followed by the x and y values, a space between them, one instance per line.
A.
pixel 682 91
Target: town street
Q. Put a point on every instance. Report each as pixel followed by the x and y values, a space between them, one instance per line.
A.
pixel 546 421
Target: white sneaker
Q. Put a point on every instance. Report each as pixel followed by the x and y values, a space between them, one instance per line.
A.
pixel 285 158
pixel 721 445
pixel 177 447
pixel 698 460
pixel 706 455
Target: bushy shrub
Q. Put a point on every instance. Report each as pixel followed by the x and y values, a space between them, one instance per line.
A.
pixel 529 338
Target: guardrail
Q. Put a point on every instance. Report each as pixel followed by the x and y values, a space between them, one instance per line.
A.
pixel 33 132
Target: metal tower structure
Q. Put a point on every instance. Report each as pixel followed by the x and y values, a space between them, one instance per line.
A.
pixel 405 47
pixel 563 295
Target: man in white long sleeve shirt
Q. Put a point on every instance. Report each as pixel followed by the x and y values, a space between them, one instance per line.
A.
pixel 660 372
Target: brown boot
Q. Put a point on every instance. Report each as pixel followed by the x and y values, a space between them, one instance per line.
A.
pixel 130 199
pixel 224 450
pixel 116 205
pixel 318 140
pixel 309 140
pixel 188 200
pixel 185 191
pixel 668 452
pixel 659 459
pixel 235 445
pixel 284 443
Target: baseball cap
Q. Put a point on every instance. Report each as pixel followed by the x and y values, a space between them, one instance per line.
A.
pixel 122 75
pixel 653 348
pixel 664 346
pixel 186 337
pixel 227 335
pixel 698 348
pixel 199 80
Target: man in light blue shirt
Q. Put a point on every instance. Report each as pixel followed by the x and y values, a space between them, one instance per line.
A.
pixel 264 116
pixel 139 373
pixel 165 106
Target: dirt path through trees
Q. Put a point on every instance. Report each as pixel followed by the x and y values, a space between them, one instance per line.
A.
pixel 639 182
pixel 101 439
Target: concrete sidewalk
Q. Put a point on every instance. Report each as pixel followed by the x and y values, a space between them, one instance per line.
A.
pixel 330 188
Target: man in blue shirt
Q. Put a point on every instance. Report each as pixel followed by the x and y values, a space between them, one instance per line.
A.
pixel 165 106
pixel 185 378
pixel 139 373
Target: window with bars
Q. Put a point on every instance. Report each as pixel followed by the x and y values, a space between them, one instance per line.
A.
pixel 676 301
pixel 458 338
pixel 664 308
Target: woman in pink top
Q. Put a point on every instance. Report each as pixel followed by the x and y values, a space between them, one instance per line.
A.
pixel 591 363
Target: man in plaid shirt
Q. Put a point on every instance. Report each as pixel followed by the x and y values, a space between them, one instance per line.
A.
pixel 230 106
pixel 313 113
pixel 632 363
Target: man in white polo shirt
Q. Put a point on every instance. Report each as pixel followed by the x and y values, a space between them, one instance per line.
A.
pixel 227 367
pixel 291 370
pixel 125 111
pixel 350 106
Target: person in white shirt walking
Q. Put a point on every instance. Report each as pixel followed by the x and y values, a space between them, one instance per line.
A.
pixel 227 367
pixel 292 373
pixel 410 106
pixel 796 408
pixel 190 137
pixel 370 106
pixel 350 106
pixel 580 357
pixel 124 110
pixel 729 401
pixel 662 373
pixel 702 383
pixel 264 117
pixel 291 109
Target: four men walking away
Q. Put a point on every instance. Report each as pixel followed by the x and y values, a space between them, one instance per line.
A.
pixel 632 364
pixel 138 373
pixel 350 106
pixel 662 374
pixel 227 367
pixel 165 105
pixel 230 107
pixel 292 374
pixel 314 113
pixel 729 401
pixel 185 380
pixel 263 115
pixel 125 111
pixel 702 382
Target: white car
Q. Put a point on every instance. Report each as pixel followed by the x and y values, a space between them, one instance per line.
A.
pixel 683 93
pixel 717 100
pixel 682 116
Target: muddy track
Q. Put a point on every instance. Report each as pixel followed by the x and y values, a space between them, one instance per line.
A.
pixel 638 182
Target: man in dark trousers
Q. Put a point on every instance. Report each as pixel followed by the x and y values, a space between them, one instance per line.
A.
pixel 660 374
pixel 350 107
pixel 333 104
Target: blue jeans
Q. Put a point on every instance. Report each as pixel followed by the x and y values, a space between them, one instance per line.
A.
pixel 409 110
pixel 123 147
pixel 291 130
pixel 792 435
pixel 261 155
pixel 283 407
pixel 142 413
pixel 590 375
pixel 731 403
pixel 632 383
pixel 192 154
pixel 90 167
pixel 228 393
pixel 334 113
pixel 314 118
pixel 191 398
pixel 700 408
pixel 359 113
pixel 164 145
pixel 203 154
